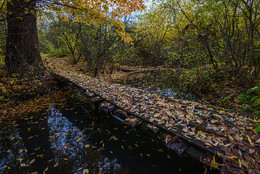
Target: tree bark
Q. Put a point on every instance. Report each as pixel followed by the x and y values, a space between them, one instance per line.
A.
pixel 22 50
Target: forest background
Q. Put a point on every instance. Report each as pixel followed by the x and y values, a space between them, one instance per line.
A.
pixel 215 44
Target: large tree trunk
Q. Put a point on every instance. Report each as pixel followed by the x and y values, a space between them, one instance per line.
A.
pixel 22 50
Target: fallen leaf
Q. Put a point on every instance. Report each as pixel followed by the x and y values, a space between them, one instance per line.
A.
pixel 24 165
pixel 56 165
pixel 32 161
pixel 19 159
pixel 160 150
pixel 85 171
pixel 29 137
pixel 251 150
pixel 249 140
pixel 79 139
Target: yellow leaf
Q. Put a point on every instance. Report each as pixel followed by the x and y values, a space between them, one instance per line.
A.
pixel 114 138
pixel 231 157
pixel 19 159
pixel 249 140
pixel 160 150
pixel 19 18
pixel 79 139
pixel 213 162
pixel 218 153
pixel 37 148
pixel 122 147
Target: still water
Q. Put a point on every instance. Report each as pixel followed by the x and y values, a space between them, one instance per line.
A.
pixel 160 81
pixel 69 137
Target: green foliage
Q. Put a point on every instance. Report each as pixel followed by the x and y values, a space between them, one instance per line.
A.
pixel 53 41
pixel 211 41
pixel 257 127
pixel 251 100
pixel 226 100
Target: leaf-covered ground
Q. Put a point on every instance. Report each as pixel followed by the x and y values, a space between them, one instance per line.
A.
pixel 229 135
pixel 20 96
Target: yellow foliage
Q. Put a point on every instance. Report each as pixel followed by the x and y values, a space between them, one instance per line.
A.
pixel 108 12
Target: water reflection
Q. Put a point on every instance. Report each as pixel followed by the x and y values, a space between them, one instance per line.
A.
pixel 12 150
pixel 67 139
pixel 71 146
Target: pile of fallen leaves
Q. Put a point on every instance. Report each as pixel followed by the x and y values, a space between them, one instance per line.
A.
pixel 19 96
pixel 230 136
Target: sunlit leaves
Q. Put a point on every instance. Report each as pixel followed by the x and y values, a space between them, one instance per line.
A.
pixel 98 12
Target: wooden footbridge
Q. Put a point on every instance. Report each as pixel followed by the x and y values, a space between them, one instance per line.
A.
pixel 218 138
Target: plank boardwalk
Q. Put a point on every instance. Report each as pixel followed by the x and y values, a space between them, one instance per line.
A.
pixel 227 140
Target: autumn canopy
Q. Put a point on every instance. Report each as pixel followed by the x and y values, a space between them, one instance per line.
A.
pixel 22 41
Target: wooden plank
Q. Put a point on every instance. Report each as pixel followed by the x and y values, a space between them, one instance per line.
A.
pixel 182 145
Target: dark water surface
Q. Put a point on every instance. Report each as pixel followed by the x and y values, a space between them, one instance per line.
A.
pixel 68 138
pixel 160 81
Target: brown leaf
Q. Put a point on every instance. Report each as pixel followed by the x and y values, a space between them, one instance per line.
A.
pixel 56 165
pixel 32 161
pixel 29 137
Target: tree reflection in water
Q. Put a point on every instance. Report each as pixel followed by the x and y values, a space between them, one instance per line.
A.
pixel 68 146
pixel 13 152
